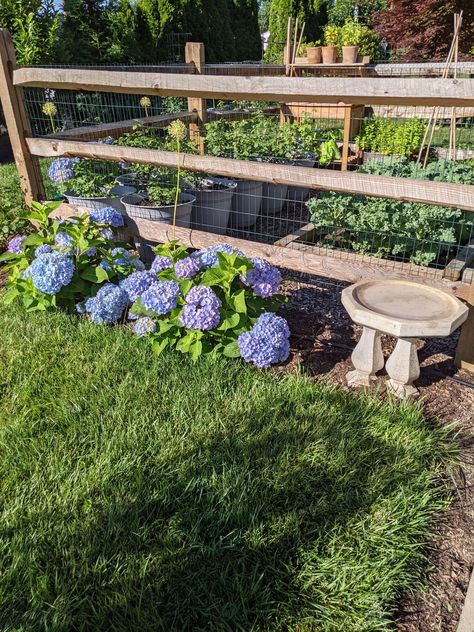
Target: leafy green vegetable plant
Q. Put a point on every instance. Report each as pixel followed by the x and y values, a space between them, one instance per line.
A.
pixel 388 136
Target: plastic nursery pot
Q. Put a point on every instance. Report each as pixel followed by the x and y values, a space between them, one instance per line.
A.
pixel 349 54
pixel 300 194
pixel 273 198
pixel 329 54
pixel 135 209
pixel 314 54
pixel 101 202
pixel 246 203
pixel 212 207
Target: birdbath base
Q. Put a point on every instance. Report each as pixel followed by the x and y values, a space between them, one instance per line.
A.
pixel 406 310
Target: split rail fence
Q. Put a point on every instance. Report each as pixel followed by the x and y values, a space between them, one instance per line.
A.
pixel 197 87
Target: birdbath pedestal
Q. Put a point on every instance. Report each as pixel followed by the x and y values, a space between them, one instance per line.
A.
pixel 406 310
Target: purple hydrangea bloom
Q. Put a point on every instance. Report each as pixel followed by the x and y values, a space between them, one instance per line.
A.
pixel 208 258
pixel 137 283
pixel 62 169
pixel 106 233
pixel 267 342
pixel 264 279
pixel 202 309
pixel 144 326
pixel 51 271
pixel 107 305
pixel 107 215
pixel 160 262
pixel 161 297
pixel 43 250
pixel 133 316
pixel 63 240
pixel 15 245
pixel 186 268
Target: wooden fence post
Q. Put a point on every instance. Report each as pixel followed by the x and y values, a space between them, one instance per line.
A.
pixel 195 54
pixel 18 123
pixel 465 351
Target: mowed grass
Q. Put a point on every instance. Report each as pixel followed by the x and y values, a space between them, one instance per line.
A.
pixel 144 493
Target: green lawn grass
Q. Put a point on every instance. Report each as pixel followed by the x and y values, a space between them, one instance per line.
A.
pixel 145 493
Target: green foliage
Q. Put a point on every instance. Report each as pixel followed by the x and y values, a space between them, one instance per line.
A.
pixel 312 12
pixel 12 208
pixel 240 306
pixel 93 178
pixel 369 43
pixel 149 493
pixel 341 11
pixel 263 138
pixel 332 35
pixel 160 195
pixel 88 274
pixel 389 136
pixel 418 233
pixel 350 33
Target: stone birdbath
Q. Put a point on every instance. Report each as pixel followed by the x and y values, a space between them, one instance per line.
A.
pixel 405 310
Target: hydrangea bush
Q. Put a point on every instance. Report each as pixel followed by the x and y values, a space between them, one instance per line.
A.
pixel 212 301
pixel 65 263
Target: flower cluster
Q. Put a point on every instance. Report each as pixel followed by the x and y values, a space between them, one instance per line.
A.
pixel 51 271
pixel 137 283
pixel 63 240
pixel 43 250
pixel 62 169
pixel 160 263
pixel 144 326
pixel 107 305
pixel 202 309
pixel 267 342
pixel 161 297
pixel 122 257
pixel 208 258
pixel 15 245
pixel 186 268
pixel 108 216
pixel 264 279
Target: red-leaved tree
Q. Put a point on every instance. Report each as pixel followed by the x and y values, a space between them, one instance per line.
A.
pixel 423 29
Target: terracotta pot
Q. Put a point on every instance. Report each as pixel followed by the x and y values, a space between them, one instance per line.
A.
pixel 349 54
pixel 313 54
pixel 329 54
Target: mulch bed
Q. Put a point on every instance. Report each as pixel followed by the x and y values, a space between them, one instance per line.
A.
pixel 322 342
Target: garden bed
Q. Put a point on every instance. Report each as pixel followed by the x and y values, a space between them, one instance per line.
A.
pixel 223 497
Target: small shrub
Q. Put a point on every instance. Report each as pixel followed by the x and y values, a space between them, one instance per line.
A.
pixel 387 136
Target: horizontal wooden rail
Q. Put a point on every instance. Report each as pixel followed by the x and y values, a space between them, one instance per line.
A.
pixel 333 264
pixel 439 193
pixel 94 132
pixel 393 91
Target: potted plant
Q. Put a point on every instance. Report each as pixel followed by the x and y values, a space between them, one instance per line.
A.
pixel 313 52
pixel 350 35
pixel 331 40
pixel 213 202
pixel 157 204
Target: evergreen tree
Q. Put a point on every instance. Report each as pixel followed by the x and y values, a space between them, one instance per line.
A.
pixel 244 26
pixel 84 35
pixel 313 12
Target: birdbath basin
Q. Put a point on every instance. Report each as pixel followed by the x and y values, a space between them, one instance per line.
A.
pixel 406 310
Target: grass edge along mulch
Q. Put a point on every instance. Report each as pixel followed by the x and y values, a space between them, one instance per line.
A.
pixel 150 493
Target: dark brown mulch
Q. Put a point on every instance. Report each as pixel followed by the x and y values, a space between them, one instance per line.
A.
pixel 322 342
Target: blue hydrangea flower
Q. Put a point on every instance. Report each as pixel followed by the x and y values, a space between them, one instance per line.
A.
pixel 51 271
pixel 106 215
pixel 160 262
pixel 81 307
pixel 106 233
pixel 144 326
pixel 186 268
pixel 264 279
pixel 26 273
pixel 161 297
pixel 63 240
pixel 62 169
pixel 105 265
pixel 137 283
pixel 107 305
pixel 267 342
pixel 107 141
pixel 43 250
pixel 208 258
pixel 202 309
pixel 91 252
pixel 123 257
pixel 15 245
pixel 133 316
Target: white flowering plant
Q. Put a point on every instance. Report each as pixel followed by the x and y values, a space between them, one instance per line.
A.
pixel 65 261
pixel 212 301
